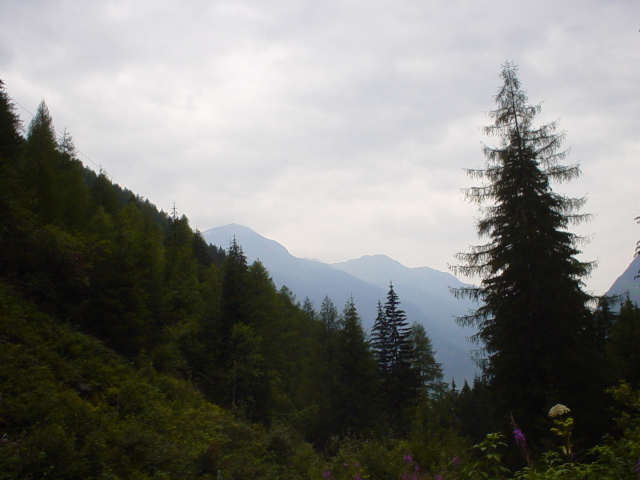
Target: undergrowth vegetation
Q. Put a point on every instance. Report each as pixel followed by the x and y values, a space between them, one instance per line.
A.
pixel 70 408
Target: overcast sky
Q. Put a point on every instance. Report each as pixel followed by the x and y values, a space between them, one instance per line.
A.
pixel 337 128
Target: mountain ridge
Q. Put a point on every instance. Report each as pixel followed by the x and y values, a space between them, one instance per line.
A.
pixel 627 283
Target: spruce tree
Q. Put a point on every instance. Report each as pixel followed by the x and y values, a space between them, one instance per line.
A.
pixel 398 331
pixel 533 322
pixel 394 353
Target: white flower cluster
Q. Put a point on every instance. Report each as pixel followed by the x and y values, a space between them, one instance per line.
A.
pixel 558 410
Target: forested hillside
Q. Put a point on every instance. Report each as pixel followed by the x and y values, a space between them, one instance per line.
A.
pixel 130 348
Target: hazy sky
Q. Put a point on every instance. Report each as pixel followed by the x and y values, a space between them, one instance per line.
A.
pixel 337 128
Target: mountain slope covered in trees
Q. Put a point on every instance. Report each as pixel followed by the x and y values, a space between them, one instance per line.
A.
pixel 123 330
pixel 131 348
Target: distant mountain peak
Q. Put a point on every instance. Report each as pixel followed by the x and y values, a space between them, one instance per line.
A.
pixel 377 258
pixel 236 228
pixel 250 241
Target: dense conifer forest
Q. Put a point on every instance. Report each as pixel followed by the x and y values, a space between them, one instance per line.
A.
pixel 132 349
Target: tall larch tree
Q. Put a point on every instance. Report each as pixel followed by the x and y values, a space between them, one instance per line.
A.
pixel 533 321
pixel 41 156
pixel 327 365
pixel 380 341
pixel 356 373
pixel 10 127
pixel 424 362
pixel 12 217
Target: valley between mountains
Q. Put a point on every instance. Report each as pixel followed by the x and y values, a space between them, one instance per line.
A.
pixel 423 291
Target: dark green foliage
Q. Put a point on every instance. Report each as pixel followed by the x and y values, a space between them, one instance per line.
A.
pixel 127 290
pixel 289 345
pixel 43 205
pixel 71 409
pixel 54 176
pixel 473 409
pixel 308 309
pixel 623 348
pixel 13 225
pixel 204 254
pixel 246 373
pixel 10 128
pixel 380 341
pixel 394 352
pixel 328 317
pixel 108 195
pixel 38 165
pixel 428 370
pixel 322 391
pixel 181 276
pixel 235 307
pixel 71 189
pixel 603 320
pixel 240 380
pixel 533 325
pixel 356 379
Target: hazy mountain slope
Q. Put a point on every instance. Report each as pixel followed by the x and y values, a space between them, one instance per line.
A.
pixel 305 278
pixel 308 278
pixel 627 283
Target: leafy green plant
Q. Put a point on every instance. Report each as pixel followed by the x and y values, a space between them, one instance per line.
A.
pixel 490 463
pixel 563 428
